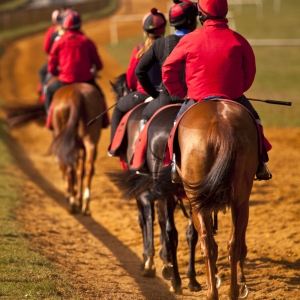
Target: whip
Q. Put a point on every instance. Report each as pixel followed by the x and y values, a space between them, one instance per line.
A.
pixel 95 119
pixel 272 101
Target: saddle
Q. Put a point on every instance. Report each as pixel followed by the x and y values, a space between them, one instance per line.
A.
pixel 138 160
pixel 119 137
pixel 264 144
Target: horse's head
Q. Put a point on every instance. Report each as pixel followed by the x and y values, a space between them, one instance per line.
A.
pixel 120 87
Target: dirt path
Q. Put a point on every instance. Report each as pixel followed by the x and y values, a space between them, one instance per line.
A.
pixel 101 254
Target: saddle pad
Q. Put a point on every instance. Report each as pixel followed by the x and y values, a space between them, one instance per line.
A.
pixel 138 158
pixel 262 141
pixel 121 129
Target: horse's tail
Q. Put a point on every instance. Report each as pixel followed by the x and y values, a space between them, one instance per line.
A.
pixel 65 145
pixel 22 114
pixel 215 191
pixel 130 184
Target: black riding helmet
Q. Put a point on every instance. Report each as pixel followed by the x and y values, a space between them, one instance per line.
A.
pixel 182 11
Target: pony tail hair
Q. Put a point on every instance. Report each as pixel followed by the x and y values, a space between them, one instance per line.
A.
pixel 148 42
pixel 215 192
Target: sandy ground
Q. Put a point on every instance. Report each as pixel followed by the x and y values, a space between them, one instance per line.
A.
pixel 101 254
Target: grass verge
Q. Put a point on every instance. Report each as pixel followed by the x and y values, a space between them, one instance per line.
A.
pixel 24 273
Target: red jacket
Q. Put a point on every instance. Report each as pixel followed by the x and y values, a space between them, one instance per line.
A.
pixel 47 39
pixel 131 79
pixel 218 61
pixel 72 57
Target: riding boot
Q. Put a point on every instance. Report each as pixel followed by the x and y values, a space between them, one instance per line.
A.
pixel 142 124
pixel 263 172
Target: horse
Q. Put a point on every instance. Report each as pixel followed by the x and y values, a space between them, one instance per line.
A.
pixel 74 142
pixel 139 185
pixel 216 150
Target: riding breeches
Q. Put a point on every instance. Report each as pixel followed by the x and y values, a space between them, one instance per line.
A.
pixel 51 89
pixel 124 105
pixel 163 99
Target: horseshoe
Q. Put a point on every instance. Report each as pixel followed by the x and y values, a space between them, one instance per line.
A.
pixel 219 281
pixel 244 288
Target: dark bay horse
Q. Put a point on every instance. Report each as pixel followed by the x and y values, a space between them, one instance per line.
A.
pixel 216 158
pixel 74 143
pixel 140 186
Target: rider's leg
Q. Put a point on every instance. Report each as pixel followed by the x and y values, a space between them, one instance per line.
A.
pixel 262 172
pixel 124 105
pixel 52 88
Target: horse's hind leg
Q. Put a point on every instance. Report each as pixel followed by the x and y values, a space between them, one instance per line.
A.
pixel 209 250
pixel 237 250
pixel 90 156
pixel 146 219
pixel 169 240
pixel 80 175
pixel 69 178
pixel 192 239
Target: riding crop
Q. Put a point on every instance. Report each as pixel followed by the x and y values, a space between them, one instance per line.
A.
pixel 95 119
pixel 272 101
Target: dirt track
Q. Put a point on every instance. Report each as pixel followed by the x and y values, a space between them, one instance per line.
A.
pixel 101 254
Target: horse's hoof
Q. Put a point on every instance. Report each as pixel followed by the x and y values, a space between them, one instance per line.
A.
pixel 194 286
pixel 149 273
pixel 176 290
pixel 167 272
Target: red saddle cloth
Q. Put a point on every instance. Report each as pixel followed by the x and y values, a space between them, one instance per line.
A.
pixel 138 158
pixel 105 119
pixel 121 129
pixel 264 144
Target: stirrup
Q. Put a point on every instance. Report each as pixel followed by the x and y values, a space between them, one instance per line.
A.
pixel 142 124
pixel 174 173
pixel 263 172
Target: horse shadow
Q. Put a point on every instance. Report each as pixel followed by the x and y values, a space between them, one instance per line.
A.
pixel 123 254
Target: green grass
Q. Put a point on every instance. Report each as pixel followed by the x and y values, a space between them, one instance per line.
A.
pixel 24 273
pixel 30 29
pixel 12 4
pixel 278 74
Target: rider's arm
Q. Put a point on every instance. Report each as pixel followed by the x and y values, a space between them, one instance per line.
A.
pixel 171 70
pixel 95 57
pixel 53 59
pixel 145 64
pixel 249 66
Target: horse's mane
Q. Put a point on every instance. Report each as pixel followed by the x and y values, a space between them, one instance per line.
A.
pixel 120 87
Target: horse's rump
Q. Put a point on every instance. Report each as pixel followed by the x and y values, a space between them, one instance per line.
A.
pixel 218 153
pixel 73 106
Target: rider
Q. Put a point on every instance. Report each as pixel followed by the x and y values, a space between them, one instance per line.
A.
pixel 73 58
pixel 183 16
pixel 218 63
pixel 51 34
pixel 154 24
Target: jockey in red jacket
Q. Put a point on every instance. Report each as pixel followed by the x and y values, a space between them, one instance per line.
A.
pixel 154 24
pixel 51 34
pixel 218 62
pixel 73 57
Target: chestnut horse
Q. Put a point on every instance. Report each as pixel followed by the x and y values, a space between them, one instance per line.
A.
pixel 140 186
pixel 217 157
pixel 74 143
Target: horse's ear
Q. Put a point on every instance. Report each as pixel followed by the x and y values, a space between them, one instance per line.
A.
pixel 112 85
